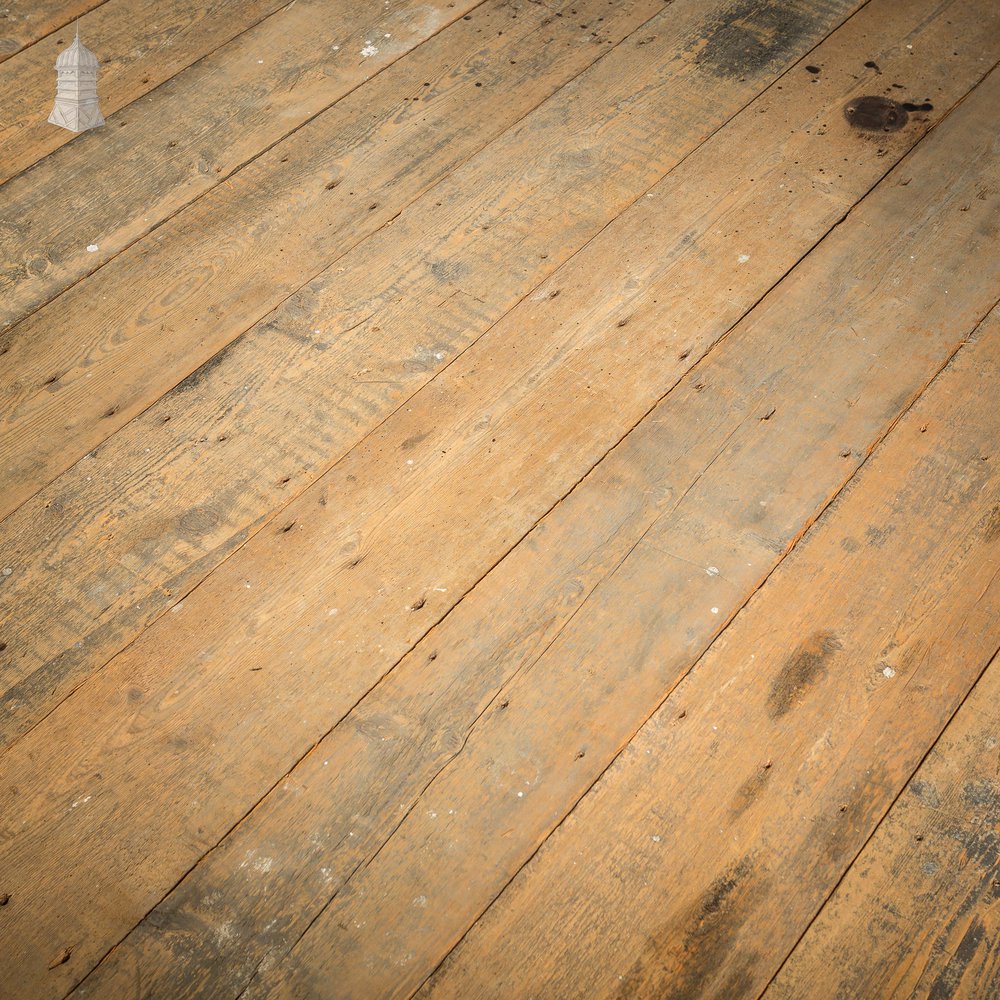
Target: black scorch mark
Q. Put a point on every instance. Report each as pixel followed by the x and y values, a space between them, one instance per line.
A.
pixel 752 35
pixel 875 114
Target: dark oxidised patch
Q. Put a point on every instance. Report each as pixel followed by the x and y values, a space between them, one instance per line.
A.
pixel 991 530
pixel 199 375
pixel 876 536
pixel 875 114
pixel 751 35
pixel 947 983
pixel 683 958
pixel 749 791
pixel 801 669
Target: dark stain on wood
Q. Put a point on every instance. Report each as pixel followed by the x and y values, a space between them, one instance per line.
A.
pixel 681 959
pixel 875 114
pixel 991 530
pixel 752 36
pixel 749 791
pixel 947 983
pixel 203 371
pixel 802 669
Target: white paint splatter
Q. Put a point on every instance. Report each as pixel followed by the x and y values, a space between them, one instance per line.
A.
pixel 712 571
pixel 93 248
pixel 715 611
pixel 369 50
pixel 888 672
pixel 743 258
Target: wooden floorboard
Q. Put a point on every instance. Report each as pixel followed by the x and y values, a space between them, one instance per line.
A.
pixel 698 859
pixel 425 282
pixel 26 22
pixel 462 457
pixel 916 914
pixel 151 40
pixel 184 139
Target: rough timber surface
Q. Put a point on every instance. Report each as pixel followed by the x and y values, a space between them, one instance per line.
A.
pixel 508 505
pixel 139 44
pixel 24 22
pixel 926 884
pixel 444 273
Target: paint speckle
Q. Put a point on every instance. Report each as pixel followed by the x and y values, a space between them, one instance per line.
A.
pixel 743 258
pixel 369 50
pixel 332 611
pixel 712 571
pixel 888 672
pixel 715 611
pixel 93 248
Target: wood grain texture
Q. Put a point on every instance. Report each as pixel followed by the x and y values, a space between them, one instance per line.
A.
pixel 287 654
pixel 206 123
pixel 916 915
pixel 697 860
pixel 24 22
pixel 140 44
pixel 436 289
pixel 669 584
pixel 153 314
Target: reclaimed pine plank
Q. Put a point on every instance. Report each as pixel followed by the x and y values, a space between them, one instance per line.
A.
pixel 699 858
pixel 335 397
pixel 916 913
pixel 24 22
pixel 436 852
pixel 82 367
pixel 140 44
pixel 290 638
pixel 207 123
pixel 173 524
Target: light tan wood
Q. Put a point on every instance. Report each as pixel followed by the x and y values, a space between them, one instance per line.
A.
pixel 24 22
pixel 916 914
pixel 167 522
pixel 518 771
pixel 143 694
pixel 698 859
pixel 454 457
pixel 153 317
pixel 441 315
pixel 139 45
pixel 187 137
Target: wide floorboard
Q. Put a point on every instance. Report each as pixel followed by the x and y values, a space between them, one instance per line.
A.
pixel 500 499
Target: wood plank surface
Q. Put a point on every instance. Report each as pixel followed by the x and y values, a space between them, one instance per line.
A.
pixel 624 642
pixel 916 914
pixel 180 510
pixel 24 22
pixel 153 314
pixel 697 860
pixel 209 121
pixel 177 517
pixel 304 666
pixel 139 43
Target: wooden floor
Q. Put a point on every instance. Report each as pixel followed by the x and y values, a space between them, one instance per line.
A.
pixel 501 498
